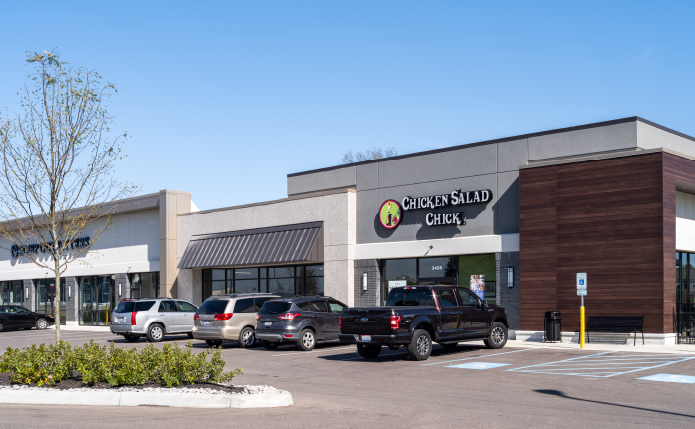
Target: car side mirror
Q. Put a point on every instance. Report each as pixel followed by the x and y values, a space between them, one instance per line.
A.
pixel 484 304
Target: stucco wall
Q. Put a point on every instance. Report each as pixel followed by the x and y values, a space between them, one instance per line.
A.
pixel 337 211
pixel 131 245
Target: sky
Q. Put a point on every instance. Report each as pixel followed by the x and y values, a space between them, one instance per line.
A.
pixel 224 99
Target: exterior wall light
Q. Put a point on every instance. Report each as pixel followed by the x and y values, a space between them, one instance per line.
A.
pixel 119 290
pixel 364 281
pixel 69 291
pixel 510 276
pixel 26 292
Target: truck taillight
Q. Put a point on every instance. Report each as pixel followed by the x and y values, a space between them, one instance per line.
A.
pixel 258 317
pixel 395 322
pixel 223 316
pixel 341 321
pixel 288 316
pixel 132 317
pixel 196 316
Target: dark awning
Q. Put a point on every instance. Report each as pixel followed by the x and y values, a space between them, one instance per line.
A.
pixel 275 245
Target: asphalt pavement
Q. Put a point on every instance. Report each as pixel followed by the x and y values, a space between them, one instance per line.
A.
pixel 466 386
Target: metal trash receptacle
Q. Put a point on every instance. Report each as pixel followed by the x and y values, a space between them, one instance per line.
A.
pixel 553 326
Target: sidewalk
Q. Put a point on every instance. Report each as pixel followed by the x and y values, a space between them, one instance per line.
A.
pixel 82 328
pixel 639 348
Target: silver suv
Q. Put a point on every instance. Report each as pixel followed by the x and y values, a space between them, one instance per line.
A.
pixel 229 317
pixel 153 318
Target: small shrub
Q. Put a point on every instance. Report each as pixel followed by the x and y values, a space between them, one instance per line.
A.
pixel 171 366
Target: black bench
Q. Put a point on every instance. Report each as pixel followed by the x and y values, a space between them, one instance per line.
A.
pixel 615 324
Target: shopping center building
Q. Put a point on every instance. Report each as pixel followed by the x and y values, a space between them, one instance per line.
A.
pixel 515 219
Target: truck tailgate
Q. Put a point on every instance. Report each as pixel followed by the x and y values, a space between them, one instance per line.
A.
pixel 367 321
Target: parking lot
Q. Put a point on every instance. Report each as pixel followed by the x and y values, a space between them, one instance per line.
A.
pixel 467 386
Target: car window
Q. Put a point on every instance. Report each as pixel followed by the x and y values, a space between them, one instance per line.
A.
pixel 468 299
pixel 335 307
pixel 4 310
pixel 258 303
pixel 319 306
pixel 244 305
pixel 187 307
pixel 167 307
pixel 410 297
pixel 447 298
pixel 124 307
pixel 144 305
pixel 304 306
pixel 213 306
pixel 17 309
pixel 275 307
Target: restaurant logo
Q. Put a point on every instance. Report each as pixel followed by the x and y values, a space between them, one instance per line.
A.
pixel 390 214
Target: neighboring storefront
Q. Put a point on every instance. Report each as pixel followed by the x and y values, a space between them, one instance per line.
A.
pixel 125 262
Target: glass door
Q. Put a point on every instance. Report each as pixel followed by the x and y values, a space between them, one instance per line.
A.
pixel 46 297
pixel 426 281
pixel 685 297
pixel 96 300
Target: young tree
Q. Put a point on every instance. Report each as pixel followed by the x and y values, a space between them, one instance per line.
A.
pixel 369 154
pixel 58 156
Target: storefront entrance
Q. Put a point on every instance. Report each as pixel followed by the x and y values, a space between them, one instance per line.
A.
pixel 97 299
pixel 11 292
pixel 46 297
pixel 685 297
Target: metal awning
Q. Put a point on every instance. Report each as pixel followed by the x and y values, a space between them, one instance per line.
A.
pixel 275 245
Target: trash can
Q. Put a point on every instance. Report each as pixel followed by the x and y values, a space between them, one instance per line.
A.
pixel 553 326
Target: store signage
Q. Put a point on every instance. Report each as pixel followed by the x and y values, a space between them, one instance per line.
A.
pixel 390 211
pixel 397 283
pixel 32 249
pixel 390 214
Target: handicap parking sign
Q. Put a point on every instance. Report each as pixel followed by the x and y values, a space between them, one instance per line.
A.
pixel 581 281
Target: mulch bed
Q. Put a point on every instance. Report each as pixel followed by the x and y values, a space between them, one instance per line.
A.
pixel 76 383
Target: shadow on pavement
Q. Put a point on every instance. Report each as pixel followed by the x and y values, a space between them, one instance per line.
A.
pixel 562 395
pixel 388 355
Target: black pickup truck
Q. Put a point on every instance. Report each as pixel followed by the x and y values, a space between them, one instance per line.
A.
pixel 415 316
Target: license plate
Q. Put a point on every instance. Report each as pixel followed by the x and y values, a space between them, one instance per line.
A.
pixel 366 338
pixel 206 323
pixel 268 323
pixel 120 319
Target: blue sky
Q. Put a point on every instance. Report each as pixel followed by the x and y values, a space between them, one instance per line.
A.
pixel 224 99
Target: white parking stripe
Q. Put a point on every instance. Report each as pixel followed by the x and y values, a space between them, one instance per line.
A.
pixel 314 351
pixel 477 357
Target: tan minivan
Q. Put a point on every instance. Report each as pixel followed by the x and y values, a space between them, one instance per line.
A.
pixel 229 317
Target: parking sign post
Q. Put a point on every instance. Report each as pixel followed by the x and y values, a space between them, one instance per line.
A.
pixel 581 291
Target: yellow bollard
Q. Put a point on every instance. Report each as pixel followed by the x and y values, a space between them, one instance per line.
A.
pixel 581 327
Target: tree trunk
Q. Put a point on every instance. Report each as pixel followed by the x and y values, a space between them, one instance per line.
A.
pixel 57 300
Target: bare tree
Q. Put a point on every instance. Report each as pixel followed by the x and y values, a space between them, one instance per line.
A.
pixel 369 154
pixel 56 173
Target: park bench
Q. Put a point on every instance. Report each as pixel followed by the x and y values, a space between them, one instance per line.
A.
pixel 615 324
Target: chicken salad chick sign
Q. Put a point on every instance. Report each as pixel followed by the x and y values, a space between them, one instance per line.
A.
pixel 390 213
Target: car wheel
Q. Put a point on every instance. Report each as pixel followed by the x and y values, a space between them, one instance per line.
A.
pixel 268 345
pixel 449 345
pixel 41 324
pixel 307 340
pixel 190 334
pixel 131 338
pixel 213 343
pixel 497 337
pixel 155 333
pixel 368 352
pixel 247 337
pixel 420 347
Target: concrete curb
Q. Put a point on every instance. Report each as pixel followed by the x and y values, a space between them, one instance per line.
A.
pixel 43 396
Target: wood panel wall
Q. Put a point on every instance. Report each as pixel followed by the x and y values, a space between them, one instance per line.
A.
pixel 613 219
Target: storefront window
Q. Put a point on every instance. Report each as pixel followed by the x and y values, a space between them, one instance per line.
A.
pixel 96 299
pixel 11 292
pixel 144 285
pixel 285 281
pixel 479 274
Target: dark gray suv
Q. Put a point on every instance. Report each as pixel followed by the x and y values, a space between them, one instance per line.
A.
pixel 302 320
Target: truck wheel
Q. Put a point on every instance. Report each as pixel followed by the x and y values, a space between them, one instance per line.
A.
pixel 268 345
pixel 307 340
pixel 497 337
pixel 368 352
pixel 421 346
